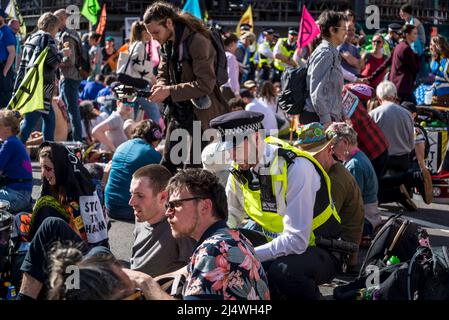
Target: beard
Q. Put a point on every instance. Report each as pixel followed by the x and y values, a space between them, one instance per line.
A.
pixel 188 230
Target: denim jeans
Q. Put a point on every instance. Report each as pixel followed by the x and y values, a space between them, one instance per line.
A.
pixel 151 109
pixel 18 199
pixel 70 96
pixel 30 121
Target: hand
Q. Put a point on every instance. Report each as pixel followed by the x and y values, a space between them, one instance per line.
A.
pixel 159 94
pixel 150 288
pixel 327 124
pixel 5 73
pixel 362 80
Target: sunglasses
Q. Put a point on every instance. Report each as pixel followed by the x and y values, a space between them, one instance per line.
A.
pixel 171 205
pixel 377 41
pixel 129 104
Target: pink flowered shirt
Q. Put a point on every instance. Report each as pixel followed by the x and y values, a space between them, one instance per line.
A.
pixel 224 266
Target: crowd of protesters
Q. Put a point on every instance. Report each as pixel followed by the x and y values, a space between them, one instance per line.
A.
pixel 219 219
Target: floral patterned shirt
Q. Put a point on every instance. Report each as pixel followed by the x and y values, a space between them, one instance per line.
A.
pixel 224 267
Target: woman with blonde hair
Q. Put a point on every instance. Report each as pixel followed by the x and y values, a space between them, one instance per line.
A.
pixel 439 47
pixel 48 25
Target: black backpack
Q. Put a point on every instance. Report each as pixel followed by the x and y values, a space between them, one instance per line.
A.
pixel 83 61
pixel 221 66
pixel 294 91
pixel 424 277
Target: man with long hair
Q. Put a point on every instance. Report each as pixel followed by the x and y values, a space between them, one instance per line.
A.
pixel 186 81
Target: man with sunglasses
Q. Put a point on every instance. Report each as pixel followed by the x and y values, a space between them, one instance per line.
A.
pixel 286 193
pixel 110 132
pixel 223 265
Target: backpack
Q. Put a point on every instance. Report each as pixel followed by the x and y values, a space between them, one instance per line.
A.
pixel 83 61
pixel 82 54
pixel 424 277
pixel 221 65
pixel 294 90
pixel 397 237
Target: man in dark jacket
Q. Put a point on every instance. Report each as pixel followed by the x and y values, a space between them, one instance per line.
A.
pixel 187 86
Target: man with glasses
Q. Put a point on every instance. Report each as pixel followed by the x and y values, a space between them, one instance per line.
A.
pixel 223 265
pixel 286 193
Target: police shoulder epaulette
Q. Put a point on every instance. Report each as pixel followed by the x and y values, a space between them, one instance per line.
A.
pixel 288 155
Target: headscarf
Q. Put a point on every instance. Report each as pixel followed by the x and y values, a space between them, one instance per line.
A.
pixel 69 173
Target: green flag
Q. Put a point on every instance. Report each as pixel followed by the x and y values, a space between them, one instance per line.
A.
pixel 90 10
pixel 29 96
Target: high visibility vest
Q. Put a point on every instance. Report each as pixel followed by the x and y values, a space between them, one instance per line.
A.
pixel 263 60
pixel 326 221
pixel 286 50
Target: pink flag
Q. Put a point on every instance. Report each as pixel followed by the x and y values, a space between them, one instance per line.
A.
pixel 308 29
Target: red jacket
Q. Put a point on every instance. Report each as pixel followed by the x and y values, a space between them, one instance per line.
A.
pixel 405 66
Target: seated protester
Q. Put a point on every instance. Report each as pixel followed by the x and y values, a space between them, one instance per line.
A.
pixel 92 88
pixel 370 138
pixel 397 125
pixel 68 209
pixel 439 48
pixel 100 276
pixel 106 98
pixel 90 117
pixel 346 150
pixel 130 156
pixel 110 132
pixel 223 257
pixel 236 104
pixel 16 178
pixel 268 97
pixel 289 214
pixel 154 250
pixel 252 104
pixel 344 189
pixel 67 189
pixel 35 266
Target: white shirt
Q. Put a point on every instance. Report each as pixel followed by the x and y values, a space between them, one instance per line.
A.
pixel 269 121
pixel 233 73
pixel 264 49
pixel 296 209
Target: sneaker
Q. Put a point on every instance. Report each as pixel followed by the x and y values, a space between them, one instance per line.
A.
pixel 406 201
pixel 423 182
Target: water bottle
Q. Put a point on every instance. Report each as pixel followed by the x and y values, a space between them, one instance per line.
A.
pixel 393 260
pixel 11 295
pixel 428 97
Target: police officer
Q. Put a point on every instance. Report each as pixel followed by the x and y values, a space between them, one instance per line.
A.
pixel 392 38
pixel 283 52
pixel 266 57
pixel 286 193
